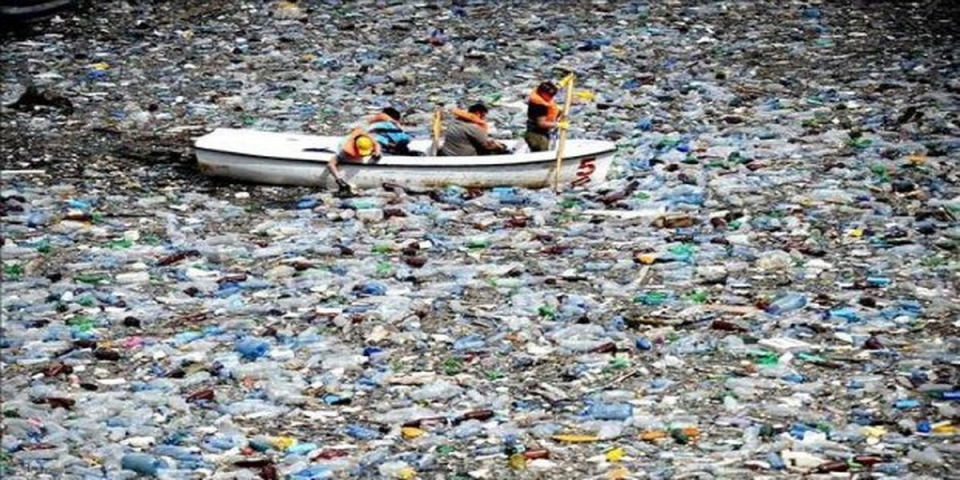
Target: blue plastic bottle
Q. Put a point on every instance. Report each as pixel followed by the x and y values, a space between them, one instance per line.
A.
pixel 252 348
pixel 36 219
pixel 142 463
pixel 844 313
pixel 362 433
pixel 373 289
pixel 470 342
pixel 181 454
pixel 306 203
pixel 906 403
pixel 316 472
pixel 890 468
pixel 775 461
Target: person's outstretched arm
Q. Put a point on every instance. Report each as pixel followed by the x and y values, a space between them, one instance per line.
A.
pixel 332 165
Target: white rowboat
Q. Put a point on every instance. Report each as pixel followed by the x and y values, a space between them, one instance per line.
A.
pixel 297 159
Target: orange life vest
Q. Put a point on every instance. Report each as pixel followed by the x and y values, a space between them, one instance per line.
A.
pixel 469 117
pixel 553 111
pixel 349 147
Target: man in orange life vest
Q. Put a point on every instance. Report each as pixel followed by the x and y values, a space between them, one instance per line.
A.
pixel 358 146
pixel 543 115
pixel 467 135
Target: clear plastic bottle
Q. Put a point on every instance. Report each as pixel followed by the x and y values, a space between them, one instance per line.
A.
pixel 787 303
pixel 609 411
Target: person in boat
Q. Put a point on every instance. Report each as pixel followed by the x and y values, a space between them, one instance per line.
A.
pixel 467 134
pixel 357 147
pixel 386 129
pixel 543 117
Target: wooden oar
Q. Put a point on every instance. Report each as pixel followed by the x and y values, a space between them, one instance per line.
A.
pixel 437 117
pixel 567 83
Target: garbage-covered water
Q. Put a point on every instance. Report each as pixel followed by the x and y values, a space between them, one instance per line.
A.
pixel 767 285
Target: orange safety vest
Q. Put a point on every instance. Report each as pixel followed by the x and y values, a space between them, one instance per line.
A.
pixel 553 111
pixel 469 117
pixel 349 147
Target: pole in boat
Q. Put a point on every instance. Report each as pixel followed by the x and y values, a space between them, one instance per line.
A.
pixel 566 83
pixel 435 131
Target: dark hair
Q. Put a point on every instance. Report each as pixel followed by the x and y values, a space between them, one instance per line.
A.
pixel 548 88
pixel 478 108
pixel 392 113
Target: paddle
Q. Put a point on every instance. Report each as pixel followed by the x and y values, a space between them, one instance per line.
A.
pixel 320 149
pixel 435 132
pixel 567 83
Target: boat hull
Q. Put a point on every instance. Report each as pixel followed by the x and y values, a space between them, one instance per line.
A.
pixel 21 12
pixel 588 163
